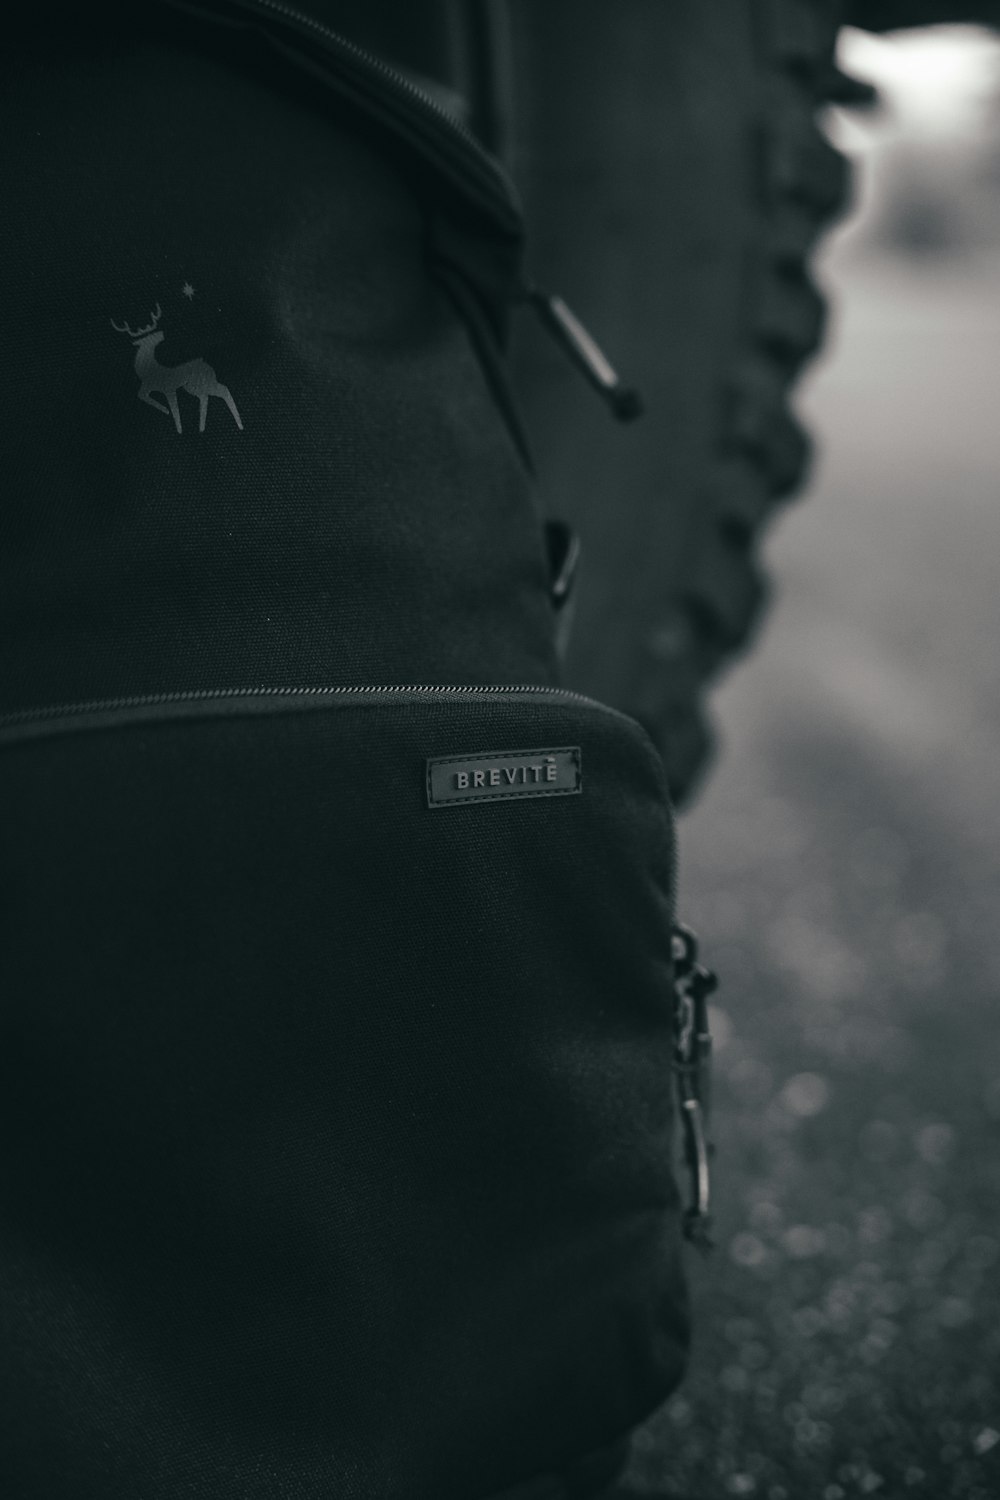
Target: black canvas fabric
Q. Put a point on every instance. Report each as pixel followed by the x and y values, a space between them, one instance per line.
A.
pixel 338 1128
pixel 336 1144
pixel 372 520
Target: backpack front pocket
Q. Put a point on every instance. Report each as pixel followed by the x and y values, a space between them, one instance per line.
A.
pixel 338 1115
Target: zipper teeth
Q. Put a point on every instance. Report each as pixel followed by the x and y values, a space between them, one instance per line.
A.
pixel 488 164
pixel 356 690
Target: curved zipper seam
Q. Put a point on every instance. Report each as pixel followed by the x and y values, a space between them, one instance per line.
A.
pixel 51 713
pixel 373 69
pixel 398 79
pixel 370 72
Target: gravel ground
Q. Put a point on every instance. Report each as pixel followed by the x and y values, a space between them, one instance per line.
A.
pixel 843 869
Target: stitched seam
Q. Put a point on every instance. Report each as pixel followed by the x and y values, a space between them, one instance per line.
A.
pixel 496 796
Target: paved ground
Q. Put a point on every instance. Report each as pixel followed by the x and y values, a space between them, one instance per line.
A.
pixel 845 860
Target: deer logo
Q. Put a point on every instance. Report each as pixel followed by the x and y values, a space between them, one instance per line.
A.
pixel 195 376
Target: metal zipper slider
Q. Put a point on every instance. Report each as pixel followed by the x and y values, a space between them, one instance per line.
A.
pixel 570 334
pixel 692 1052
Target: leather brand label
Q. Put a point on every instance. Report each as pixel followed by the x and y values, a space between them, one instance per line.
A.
pixel 503 775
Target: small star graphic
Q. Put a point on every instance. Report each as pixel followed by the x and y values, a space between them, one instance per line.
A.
pixel 188 290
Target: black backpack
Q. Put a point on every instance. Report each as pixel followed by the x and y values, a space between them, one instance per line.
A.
pixel 336 975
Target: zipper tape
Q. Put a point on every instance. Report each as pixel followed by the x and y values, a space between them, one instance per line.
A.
pixel 61 718
pixel 382 92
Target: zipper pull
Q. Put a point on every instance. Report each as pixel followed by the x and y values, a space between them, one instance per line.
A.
pixel 570 334
pixel 692 1056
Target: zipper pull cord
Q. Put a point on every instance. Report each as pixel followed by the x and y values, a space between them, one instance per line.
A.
pixel 571 336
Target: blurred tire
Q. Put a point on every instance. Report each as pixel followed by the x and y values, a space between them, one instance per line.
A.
pixel 675 183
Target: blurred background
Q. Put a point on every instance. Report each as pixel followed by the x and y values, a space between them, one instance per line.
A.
pixel 843 862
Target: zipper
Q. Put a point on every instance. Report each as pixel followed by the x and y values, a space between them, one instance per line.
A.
pixel 66 715
pixel 444 140
pixel 455 153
